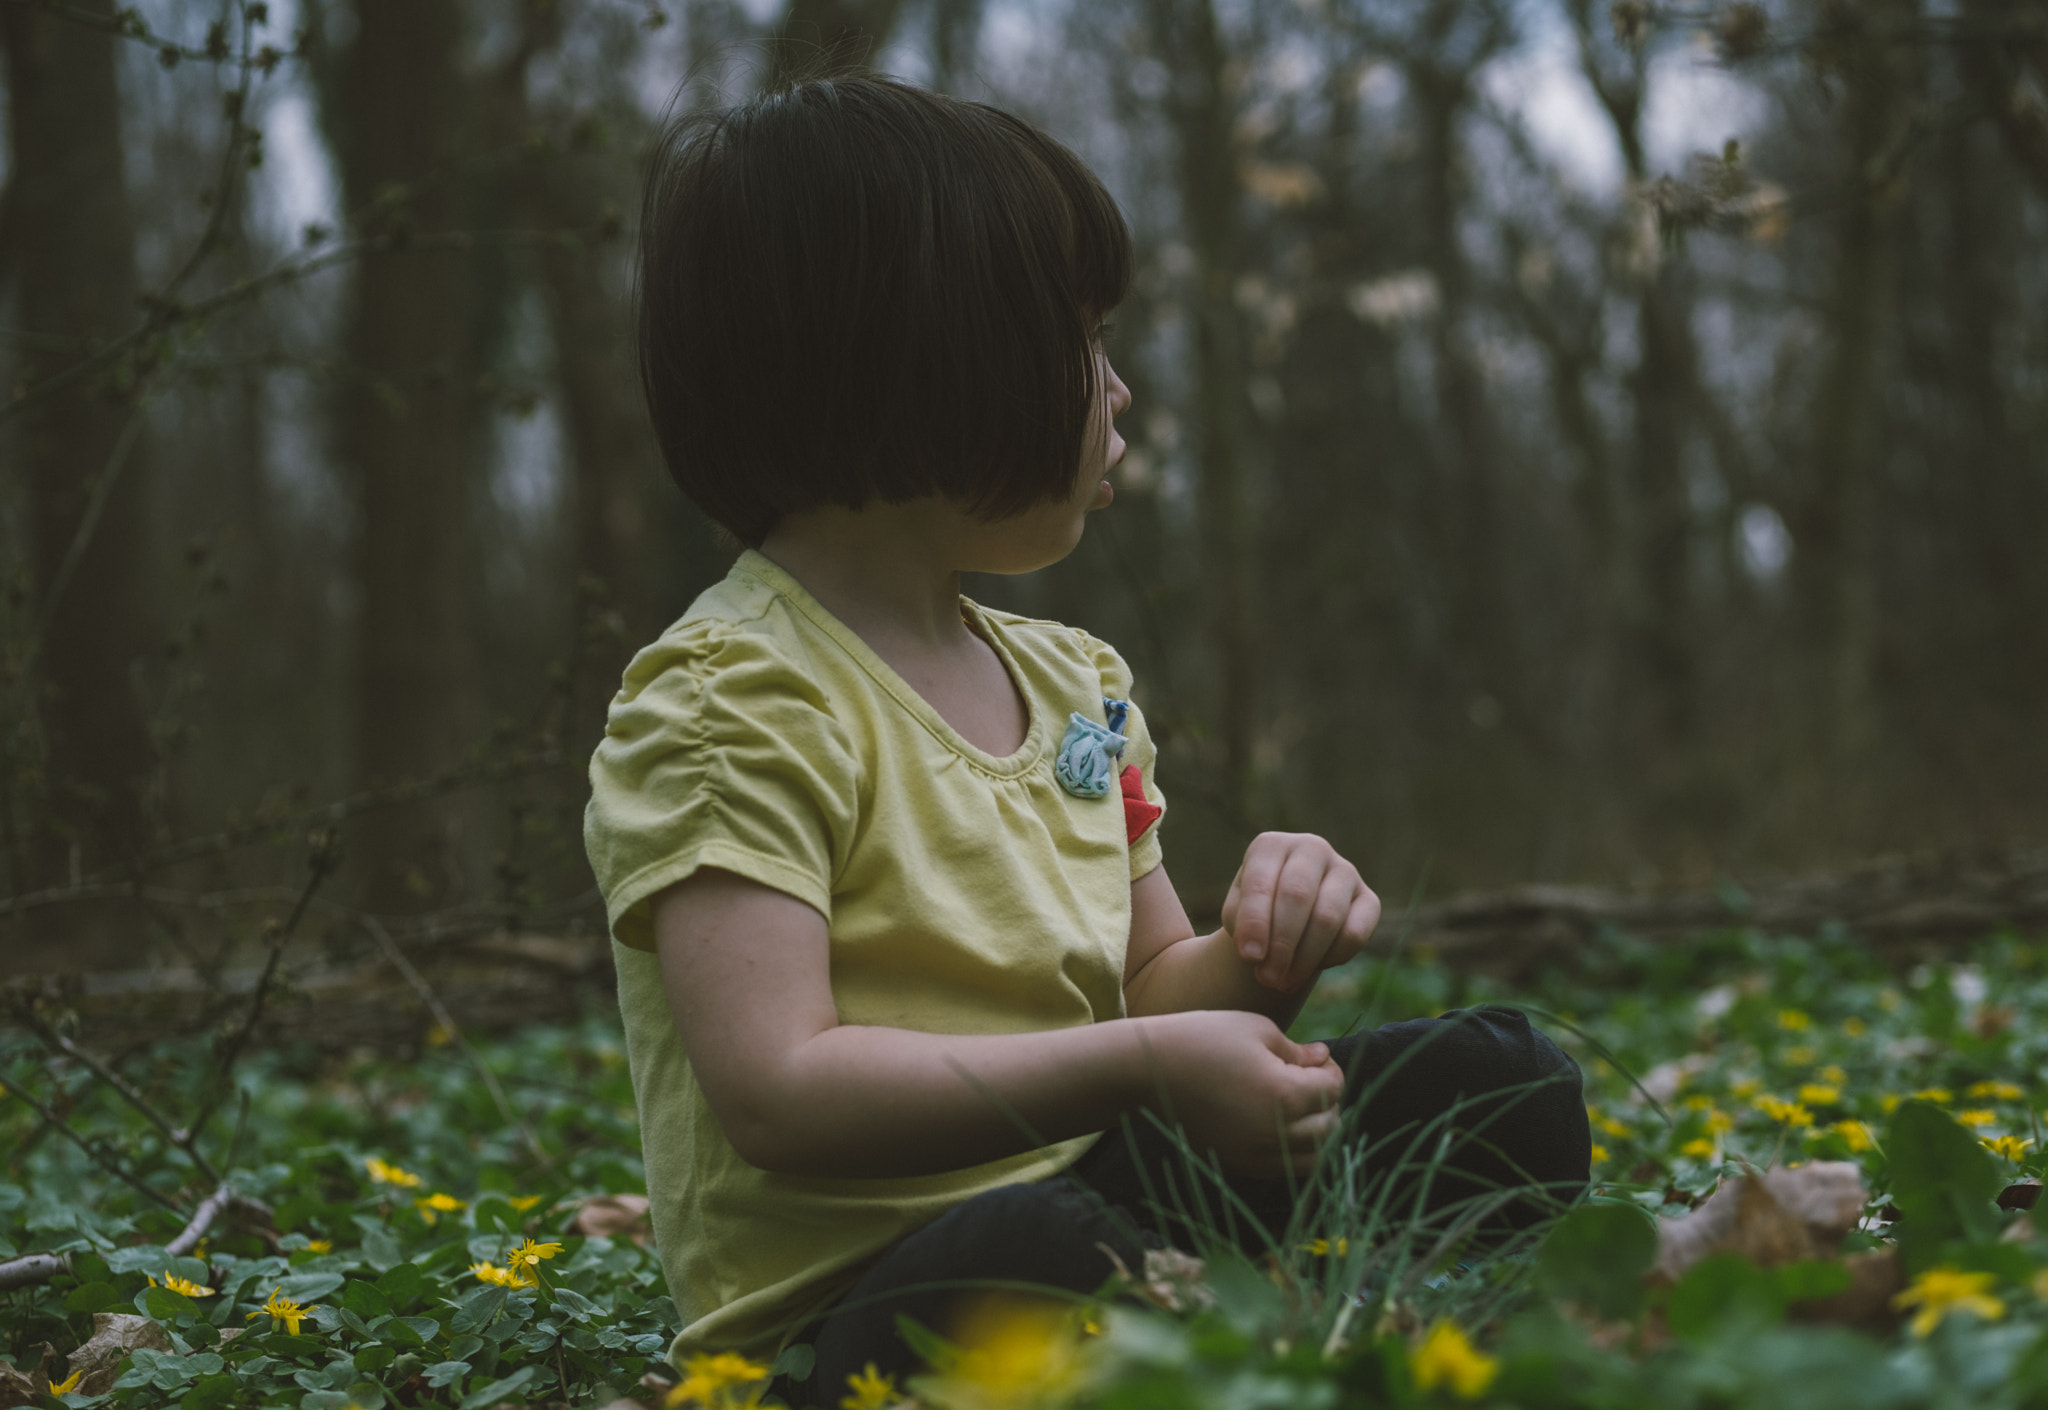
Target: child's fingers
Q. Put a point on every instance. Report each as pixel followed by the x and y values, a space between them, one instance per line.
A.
pixel 1325 929
pixel 1359 924
pixel 1295 895
pixel 1257 880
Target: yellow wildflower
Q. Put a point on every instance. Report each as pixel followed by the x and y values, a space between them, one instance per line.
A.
pixel 282 1309
pixel 1801 1056
pixel 1890 1102
pixel 1995 1091
pixel 176 1284
pixel 1784 1112
pixel 501 1277
pixel 1856 1134
pixel 1744 1087
pixel 1014 1353
pixel 319 1245
pixel 385 1173
pixel 1321 1247
pixel 1834 1076
pixel 1599 1154
pixel 522 1203
pixel 1855 1027
pixel 2011 1147
pixel 69 1383
pixel 1793 1021
pixel 1934 1094
pixel 1819 1094
pixel 1700 1149
pixel 871 1390
pixel 1698 1101
pixel 1609 1126
pixel 2040 1285
pixel 1446 1358
pixel 1940 1291
pixel 432 1207
pixel 1977 1118
pixel 1719 1122
pixel 726 1381
pixel 526 1259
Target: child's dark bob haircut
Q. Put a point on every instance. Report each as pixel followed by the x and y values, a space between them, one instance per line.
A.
pixel 854 289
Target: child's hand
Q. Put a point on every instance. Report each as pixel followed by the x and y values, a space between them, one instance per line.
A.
pixel 1297 908
pixel 1243 1089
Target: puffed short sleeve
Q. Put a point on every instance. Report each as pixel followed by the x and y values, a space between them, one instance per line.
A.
pixel 719 751
pixel 1146 853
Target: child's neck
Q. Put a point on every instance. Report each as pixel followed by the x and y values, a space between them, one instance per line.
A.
pixel 891 574
pixel 887 571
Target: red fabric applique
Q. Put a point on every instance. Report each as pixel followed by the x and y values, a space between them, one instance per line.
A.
pixel 1138 813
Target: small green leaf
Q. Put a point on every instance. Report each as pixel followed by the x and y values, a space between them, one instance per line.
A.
pixel 212 1391
pixel 796 1361
pixel 402 1285
pixel 91 1297
pixel 442 1373
pixel 478 1309
pixel 381 1250
pixel 1811 1281
pixel 364 1299
pixel 501 1389
pixel 309 1287
pixel 1596 1256
pixel 167 1306
pixel 409 1331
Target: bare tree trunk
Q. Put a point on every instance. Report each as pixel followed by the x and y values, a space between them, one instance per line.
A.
pixel 75 287
pixel 410 428
pixel 1654 607
pixel 818 37
pixel 1202 112
pixel 1450 47
pixel 1839 543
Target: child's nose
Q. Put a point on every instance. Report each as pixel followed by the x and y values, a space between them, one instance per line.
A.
pixel 1119 394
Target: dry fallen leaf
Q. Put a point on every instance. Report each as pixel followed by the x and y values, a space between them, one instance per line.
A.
pixel 19 1388
pixel 614 1216
pixel 114 1335
pixel 1172 1280
pixel 1779 1216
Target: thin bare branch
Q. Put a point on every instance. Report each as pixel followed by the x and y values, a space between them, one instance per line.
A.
pixel 321 863
pixel 448 1025
pixel 211 1208
pixel 114 885
pixel 81 539
pixel 32 1268
pixel 92 1152
pixel 125 1090
pixel 128 23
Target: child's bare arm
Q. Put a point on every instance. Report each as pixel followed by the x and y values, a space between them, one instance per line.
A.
pixel 796 1091
pixel 1295 909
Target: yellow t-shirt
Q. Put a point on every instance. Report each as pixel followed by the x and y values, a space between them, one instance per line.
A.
pixel 964 893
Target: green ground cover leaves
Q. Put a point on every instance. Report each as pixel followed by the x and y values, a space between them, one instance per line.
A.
pixel 423 1255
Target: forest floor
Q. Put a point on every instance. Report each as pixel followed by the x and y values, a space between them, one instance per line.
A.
pixel 1815 1170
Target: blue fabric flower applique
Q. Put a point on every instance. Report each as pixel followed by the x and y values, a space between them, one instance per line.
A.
pixel 1086 766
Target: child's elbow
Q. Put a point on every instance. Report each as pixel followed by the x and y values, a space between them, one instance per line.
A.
pixel 768 1137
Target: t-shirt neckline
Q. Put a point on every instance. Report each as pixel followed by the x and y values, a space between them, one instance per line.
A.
pixel 766 570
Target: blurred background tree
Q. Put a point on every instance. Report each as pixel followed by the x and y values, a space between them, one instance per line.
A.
pixel 1571 440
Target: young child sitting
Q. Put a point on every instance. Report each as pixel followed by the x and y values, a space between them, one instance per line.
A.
pixel 895 944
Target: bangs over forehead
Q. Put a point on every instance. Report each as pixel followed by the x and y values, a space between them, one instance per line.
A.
pixel 853 289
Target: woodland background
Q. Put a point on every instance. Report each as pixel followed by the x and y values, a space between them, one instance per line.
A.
pixel 1571 441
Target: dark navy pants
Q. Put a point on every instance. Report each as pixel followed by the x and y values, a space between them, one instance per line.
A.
pixel 1417 1095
